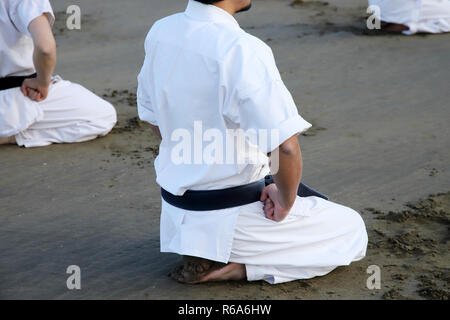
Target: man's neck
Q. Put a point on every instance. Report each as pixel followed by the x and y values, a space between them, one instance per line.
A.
pixel 225 5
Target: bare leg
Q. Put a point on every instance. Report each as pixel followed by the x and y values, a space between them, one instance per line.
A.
pixel 8 140
pixel 198 270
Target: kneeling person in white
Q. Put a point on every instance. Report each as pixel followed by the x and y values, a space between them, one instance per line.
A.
pixel 45 109
pixel 413 16
pixel 201 67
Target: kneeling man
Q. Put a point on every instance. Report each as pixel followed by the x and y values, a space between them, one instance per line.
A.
pixel 36 108
pixel 413 16
pixel 206 81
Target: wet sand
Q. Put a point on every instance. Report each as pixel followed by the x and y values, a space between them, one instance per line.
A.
pixel 380 144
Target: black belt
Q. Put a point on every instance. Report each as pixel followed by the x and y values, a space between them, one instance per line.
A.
pixel 205 200
pixel 14 82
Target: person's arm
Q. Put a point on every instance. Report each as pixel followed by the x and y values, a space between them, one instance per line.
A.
pixel 44 58
pixel 261 101
pixel 145 107
pixel 279 197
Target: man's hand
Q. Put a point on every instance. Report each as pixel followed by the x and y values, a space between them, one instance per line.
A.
pixel 280 197
pixel 273 207
pixel 35 89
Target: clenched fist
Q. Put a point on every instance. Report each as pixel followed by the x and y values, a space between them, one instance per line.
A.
pixel 35 89
pixel 273 207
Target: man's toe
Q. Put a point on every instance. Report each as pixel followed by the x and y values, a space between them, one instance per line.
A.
pixel 176 272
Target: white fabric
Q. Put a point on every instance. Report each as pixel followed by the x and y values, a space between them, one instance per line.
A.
pixel 17 112
pixel 431 16
pixel 16 45
pixel 316 237
pixel 71 113
pixel 200 65
pixel 206 234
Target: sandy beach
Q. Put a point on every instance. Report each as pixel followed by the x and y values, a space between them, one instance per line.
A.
pixel 380 143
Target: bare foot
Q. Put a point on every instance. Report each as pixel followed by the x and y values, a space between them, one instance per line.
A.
pixel 197 270
pixel 193 269
pixel 8 140
pixel 395 28
pixel 231 271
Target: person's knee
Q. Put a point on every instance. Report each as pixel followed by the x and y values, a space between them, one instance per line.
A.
pixel 110 115
pixel 105 116
pixel 100 122
pixel 110 111
pixel 358 232
pixel 92 107
pixel 354 221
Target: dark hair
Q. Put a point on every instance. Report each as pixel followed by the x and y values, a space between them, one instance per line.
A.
pixel 208 1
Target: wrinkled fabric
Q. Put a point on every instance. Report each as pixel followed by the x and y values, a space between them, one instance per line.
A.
pixel 431 16
pixel 16 45
pixel 200 65
pixel 315 238
pixel 69 114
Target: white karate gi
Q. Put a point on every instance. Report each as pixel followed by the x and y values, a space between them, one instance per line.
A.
pixel 200 65
pixel 431 16
pixel 70 113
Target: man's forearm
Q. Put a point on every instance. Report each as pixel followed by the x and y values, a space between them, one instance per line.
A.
pixel 287 179
pixel 44 55
pixel 44 63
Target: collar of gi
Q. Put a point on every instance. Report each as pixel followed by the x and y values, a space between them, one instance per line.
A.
pixel 208 12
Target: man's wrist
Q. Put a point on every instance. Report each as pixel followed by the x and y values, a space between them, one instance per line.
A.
pixel 287 202
pixel 44 81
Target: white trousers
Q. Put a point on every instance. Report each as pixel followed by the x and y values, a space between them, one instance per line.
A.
pixel 315 238
pixel 431 16
pixel 69 114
